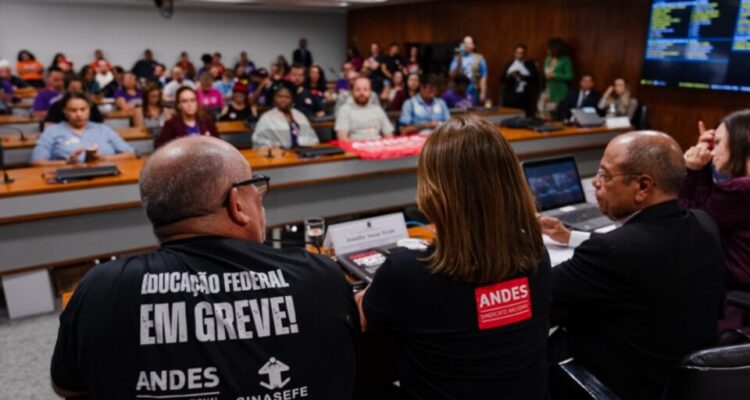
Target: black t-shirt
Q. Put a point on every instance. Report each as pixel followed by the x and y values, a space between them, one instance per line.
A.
pixel 210 318
pixel 234 114
pixel 458 341
pixel 392 63
pixel 306 102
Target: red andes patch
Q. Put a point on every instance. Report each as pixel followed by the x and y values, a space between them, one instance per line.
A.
pixel 503 303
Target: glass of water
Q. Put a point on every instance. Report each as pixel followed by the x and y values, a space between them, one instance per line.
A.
pixel 315 229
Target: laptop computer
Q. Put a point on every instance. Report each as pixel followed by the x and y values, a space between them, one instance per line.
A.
pixel 586 119
pixel 559 193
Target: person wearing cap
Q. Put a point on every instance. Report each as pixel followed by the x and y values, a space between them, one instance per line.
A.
pixel 238 108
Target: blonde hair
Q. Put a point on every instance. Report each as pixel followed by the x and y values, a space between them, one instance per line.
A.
pixel 470 184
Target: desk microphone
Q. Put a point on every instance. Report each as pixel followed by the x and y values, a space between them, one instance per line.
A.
pixel 6 178
pixel 269 153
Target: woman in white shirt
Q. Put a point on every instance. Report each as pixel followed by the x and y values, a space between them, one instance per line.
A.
pixel 283 126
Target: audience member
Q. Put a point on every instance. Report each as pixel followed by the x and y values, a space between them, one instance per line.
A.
pixel 316 81
pixel 209 98
pixel 392 62
pixel 29 69
pixel 360 119
pixel 283 126
pixel 283 68
pixel 154 114
pixel 128 97
pixel 518 79
pixel 205 205
pixel 186 65
pixel 118 73
pixel 226 83
pixel 302 55
pixel 641 297
pixel 62 63
pixel 238 109
pixel 617 100
pixel 345 97
pixel 104 75
pixel 247 65
pixel 88 75
pixel 355 58
pixel 393 87
pixel 216 62
pixel 373 64
pixel 413 65
pixel 304 100
pixel 424 112
pixel 189 119
pixel 158 76
pixel 241 76
pixel 98 58
pixel 412 88
pixel 56 112
pixel 178 81
pixel 207 61
pixel 727 149
pixel 6 88
pixel 7 76
pixel 78 140
pixel 144 68
pixel 473 65
pixel 442 303
pixel 585 97
pixel 558 72
pixel 45 97
pixel 458 97
pixel 342 84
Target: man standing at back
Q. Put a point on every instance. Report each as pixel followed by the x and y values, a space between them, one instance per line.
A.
pixel 643 296
pixel 213 313
pixel 473 65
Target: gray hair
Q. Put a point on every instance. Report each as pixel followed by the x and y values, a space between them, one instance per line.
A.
pixel 657 155
pixel 187 178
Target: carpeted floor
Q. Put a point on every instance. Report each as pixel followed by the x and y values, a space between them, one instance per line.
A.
pixel 26 347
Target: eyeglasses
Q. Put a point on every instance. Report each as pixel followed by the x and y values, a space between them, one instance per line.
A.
pixel 261 183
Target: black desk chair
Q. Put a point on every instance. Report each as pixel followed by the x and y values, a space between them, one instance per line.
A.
pixel 716 373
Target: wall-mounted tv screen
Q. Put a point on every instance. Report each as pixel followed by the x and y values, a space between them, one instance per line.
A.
pixel 698 44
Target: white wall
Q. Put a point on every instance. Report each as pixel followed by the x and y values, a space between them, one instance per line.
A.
pixel 123 32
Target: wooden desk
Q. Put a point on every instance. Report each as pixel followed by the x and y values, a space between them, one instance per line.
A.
pixel 26 93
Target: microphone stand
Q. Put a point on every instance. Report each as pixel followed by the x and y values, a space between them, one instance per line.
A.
pixel 6 179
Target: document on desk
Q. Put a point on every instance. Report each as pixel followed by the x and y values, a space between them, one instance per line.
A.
pixel 558 253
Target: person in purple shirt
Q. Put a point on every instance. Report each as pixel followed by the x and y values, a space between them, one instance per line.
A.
pixel 48 95
pixel 6 96
pixel 458 97
pixel 128 96
pixel 727 148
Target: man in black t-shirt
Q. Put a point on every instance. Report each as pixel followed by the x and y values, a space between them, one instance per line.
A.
pixel 213 313
pixel 392 62
pixel 304 100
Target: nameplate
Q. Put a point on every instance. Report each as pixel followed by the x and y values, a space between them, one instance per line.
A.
pixel 366 233
pixel 618 122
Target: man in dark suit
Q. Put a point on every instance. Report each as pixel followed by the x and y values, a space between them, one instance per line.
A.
pixel 302 55
pixel 519 81
pixel 585 96
pixel 641 297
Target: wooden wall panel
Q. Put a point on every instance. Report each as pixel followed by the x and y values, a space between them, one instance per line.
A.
pixel 608 39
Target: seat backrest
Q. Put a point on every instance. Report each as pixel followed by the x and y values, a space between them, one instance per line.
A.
pixel 325 134
pixel 640 119
pixel 716 373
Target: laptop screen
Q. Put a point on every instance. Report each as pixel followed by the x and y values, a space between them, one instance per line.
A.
pixel 555 182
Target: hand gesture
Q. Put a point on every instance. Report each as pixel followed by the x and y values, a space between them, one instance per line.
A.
pixel 555 229
pixel 706 137
pixel 697 157
pixel 609 91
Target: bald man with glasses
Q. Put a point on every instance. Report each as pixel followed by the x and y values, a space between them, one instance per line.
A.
pixel 641 297
pixel 213 312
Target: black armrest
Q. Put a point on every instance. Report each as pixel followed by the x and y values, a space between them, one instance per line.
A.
pixel 583 383
pixel 739 299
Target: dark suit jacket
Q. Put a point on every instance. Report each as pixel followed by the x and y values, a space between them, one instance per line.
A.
pixel 175 128
pixel 302 57
pixel 571 101
pixel 641 297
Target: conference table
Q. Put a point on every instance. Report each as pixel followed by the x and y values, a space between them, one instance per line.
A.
pixel 47 225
